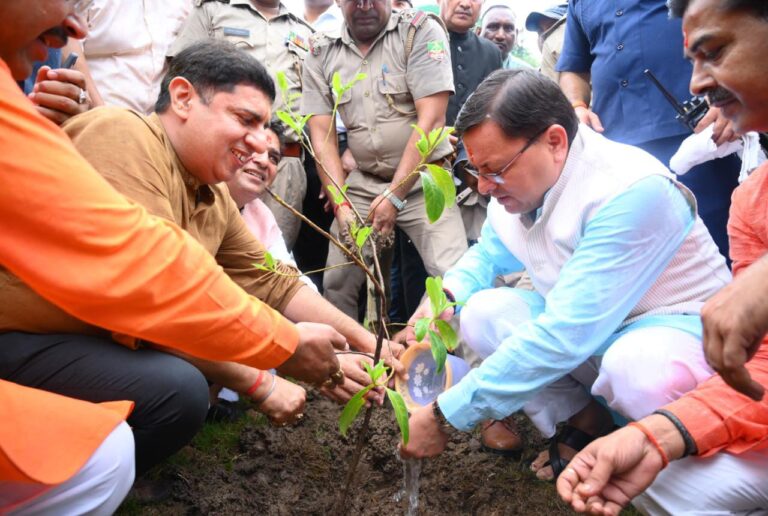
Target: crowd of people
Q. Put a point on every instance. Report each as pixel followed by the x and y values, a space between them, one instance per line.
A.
pixel 594 286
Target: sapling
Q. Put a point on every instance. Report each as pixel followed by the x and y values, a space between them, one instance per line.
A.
pixel 439 192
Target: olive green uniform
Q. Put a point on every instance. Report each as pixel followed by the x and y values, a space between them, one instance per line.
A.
pixel 378 112
pixel 281 44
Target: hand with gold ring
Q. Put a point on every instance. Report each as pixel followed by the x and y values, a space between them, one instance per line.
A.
pixel 284 404
pixel 60 94
pixel 354 378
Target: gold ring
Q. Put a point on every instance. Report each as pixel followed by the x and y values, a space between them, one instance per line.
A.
pixel 338 377
pixel 299 416
pixel 328 383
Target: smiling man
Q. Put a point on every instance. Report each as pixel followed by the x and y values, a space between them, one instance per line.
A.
pixel 620 263
pixel 210 118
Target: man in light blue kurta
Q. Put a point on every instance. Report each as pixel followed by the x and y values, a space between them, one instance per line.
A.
pixel 620 262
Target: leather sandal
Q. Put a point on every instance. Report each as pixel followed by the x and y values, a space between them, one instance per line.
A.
pixel 571 437
pixel 501 437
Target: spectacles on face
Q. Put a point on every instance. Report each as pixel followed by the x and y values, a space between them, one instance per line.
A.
pixel 495 177
pixel 81 6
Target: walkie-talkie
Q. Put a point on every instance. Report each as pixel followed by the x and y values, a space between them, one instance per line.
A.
pixel 690 112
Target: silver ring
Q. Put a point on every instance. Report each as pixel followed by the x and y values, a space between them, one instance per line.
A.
pixel 82 98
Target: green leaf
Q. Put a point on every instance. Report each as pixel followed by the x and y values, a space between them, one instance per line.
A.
pixel 444 180
pixel 303 121
pixel 401 412
pixel 421 327
pixel 337 197
pixel 282 81
pixel 363 235
pixel 434 286
pixel 439 352
pixel 294 96
pixel 269 260
pixel 260 267
pixel 344 188
pixel 422 144
pixel 338 89
pixel 433 197
pixel 379 370
pixel 352 409
pixel 448 334
pixel 288 120
pixel 358 77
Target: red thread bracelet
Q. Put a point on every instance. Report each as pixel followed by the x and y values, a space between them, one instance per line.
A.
pixel 654 442
pixel 256 384
pixel 337 206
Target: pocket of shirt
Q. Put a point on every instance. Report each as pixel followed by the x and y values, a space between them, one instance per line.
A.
pixel 394 89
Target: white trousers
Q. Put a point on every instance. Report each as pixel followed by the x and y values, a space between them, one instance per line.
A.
pixel 718 485
pixel 642 370
pixel 97 489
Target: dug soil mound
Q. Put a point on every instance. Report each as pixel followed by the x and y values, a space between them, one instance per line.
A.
pixel 252 468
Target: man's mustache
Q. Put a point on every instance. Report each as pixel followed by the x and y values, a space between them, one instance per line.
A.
pixel 718 95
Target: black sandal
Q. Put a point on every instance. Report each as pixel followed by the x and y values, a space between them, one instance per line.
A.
pixel 571 437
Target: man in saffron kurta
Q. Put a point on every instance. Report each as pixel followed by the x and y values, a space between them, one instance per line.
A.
pixel 67 234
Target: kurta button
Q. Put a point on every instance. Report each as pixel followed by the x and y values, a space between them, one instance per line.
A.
pixel 367 93
pixel 365 62
pixel 620 46
pixel 624 83
pixel 619 12
pixel 458 47
pixel 460 67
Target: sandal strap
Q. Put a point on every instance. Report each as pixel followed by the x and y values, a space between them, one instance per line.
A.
pixel 571 437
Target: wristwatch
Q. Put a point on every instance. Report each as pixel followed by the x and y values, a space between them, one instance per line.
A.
pixel 397 202
pixel 447 428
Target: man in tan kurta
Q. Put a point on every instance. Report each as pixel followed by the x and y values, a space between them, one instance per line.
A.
pixel 401 88
pixel 279 39
pixel 144 159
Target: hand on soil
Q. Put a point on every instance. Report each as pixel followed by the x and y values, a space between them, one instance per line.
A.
pixel 285 403
pixel 426 437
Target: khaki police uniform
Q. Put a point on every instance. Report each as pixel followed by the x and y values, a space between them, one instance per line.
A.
pixel 378 112
pixel 281 44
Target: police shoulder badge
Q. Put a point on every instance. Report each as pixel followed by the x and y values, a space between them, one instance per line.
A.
pixel 436 50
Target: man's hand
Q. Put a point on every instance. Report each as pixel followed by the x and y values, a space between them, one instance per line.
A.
pixel 315 359
pixel 424 310
pixel 383 216
pixel 286 403
pixel 426 437
pixel 355 379
pixel 722 131
pixel 590 118
pixel 57 94
pixel 348 163
pixel 735 321
pixel 606 475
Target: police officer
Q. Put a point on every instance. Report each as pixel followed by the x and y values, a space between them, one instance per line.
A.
pixel 279 39
pixel 408 81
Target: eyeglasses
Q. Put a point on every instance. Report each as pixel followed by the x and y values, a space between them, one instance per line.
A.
pixel 81 6
pixel 495 177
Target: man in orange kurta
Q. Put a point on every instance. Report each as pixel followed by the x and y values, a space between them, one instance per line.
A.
pixel 81 245
pixel 725 430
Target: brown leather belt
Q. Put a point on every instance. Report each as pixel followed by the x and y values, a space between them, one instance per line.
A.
pixel 292 150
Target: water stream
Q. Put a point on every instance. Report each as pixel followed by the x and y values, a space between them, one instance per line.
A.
pixel 410 491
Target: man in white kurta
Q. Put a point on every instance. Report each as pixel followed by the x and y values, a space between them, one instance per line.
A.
pixel 620 263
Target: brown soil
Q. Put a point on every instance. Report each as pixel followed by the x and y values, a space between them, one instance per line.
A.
pixel 301 470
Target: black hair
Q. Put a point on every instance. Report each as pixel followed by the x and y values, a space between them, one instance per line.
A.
pixel 279 128
pixel 759 8
pixel 524 103
pixel 212 66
